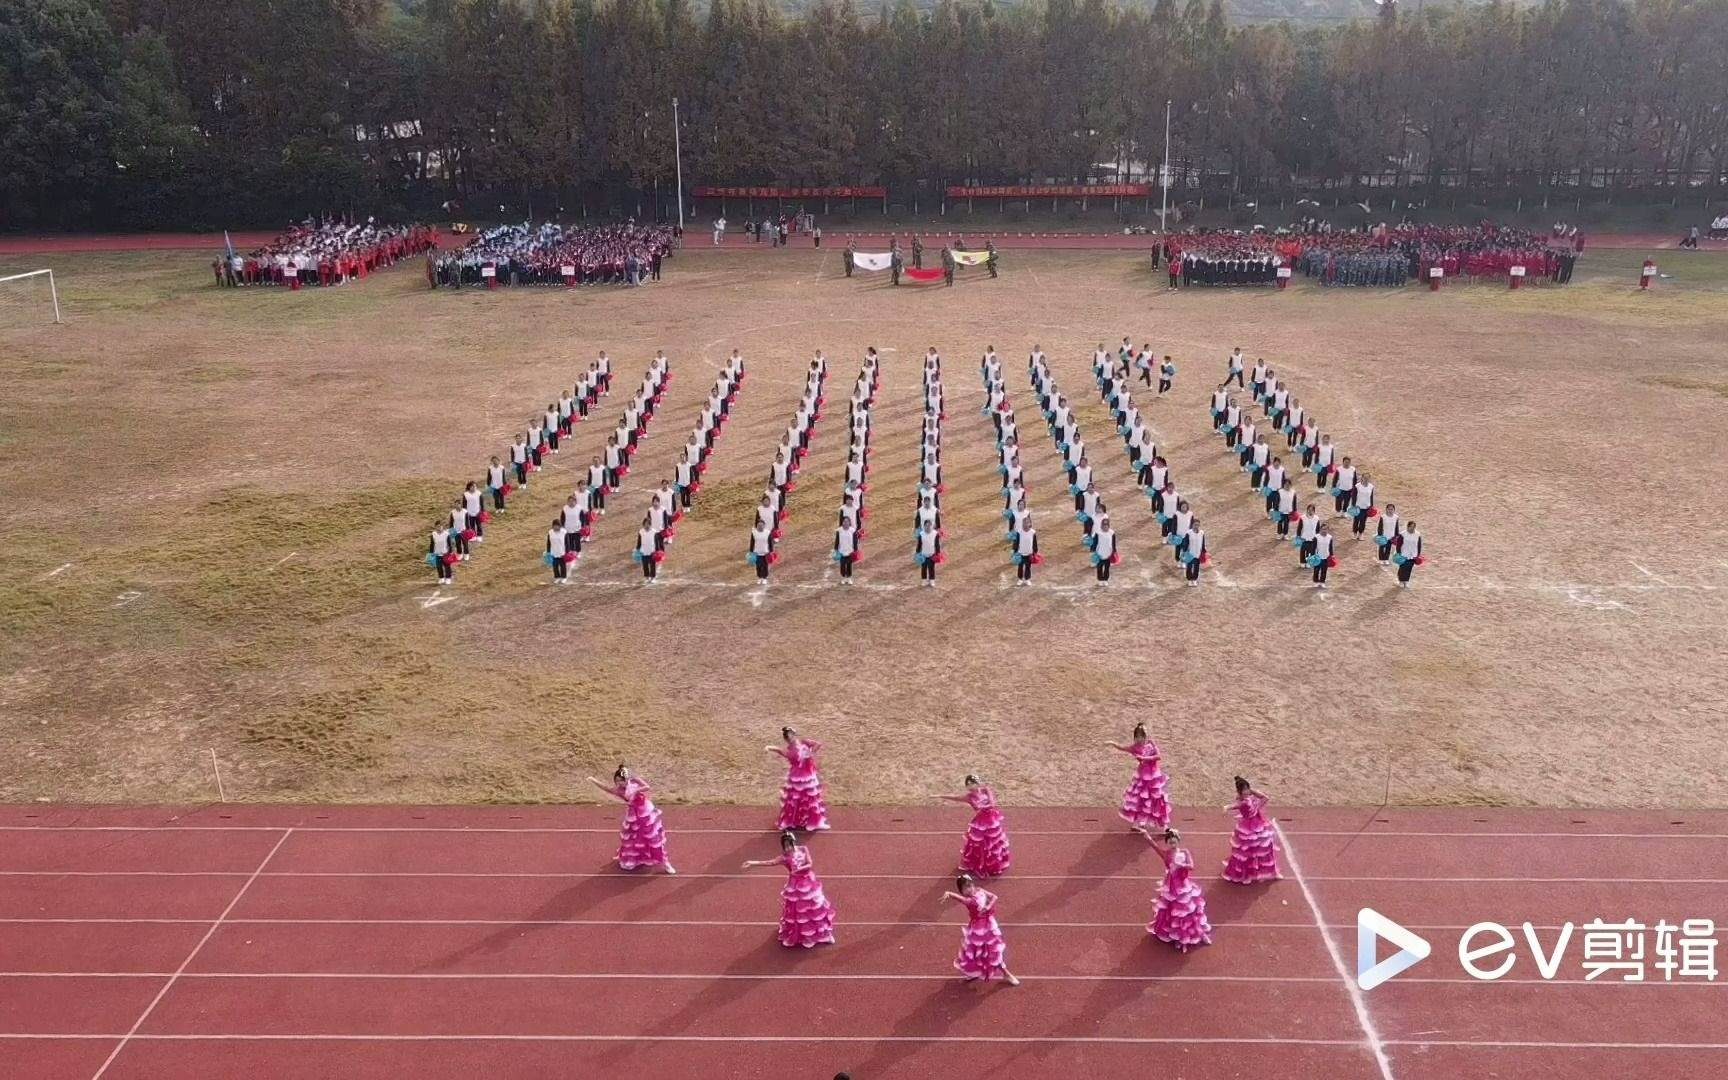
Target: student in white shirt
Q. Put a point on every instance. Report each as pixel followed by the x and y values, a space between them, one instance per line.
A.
pixel 599 484
pixel 1193 554
pixel 496 484
pixel 438 553
pixel 650 549
pixel 1234 369
pixel 1361 505
pixel 555 551
pixel 1281 507
pixel 1104 554
pixel 459 529
pixel 1409 553
pixel 1343 487
pixel 1320 557
pixel 1386 534
pixel 1025 547
pixel 1307 528
pixel 474 503
pixel 927 551
pixel 846 551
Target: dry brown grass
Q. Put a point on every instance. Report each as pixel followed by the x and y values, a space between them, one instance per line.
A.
pixel 224 496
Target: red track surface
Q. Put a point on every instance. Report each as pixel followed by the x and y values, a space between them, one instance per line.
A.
pixel 698 239
pixel 358 943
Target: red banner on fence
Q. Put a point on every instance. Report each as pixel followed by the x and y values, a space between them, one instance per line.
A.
pixel 1062 191
pixel 791 192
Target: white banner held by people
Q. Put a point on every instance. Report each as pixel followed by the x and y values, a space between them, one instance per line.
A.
pixel 872 260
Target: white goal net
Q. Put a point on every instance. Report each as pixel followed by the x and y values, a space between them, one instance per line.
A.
pixel 29 298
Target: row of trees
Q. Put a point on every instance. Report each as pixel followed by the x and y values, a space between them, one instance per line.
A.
pixel 161 112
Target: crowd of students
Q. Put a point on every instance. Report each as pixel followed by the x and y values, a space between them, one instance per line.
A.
pixel 331 253
pixel 552 254
pixel 1380 255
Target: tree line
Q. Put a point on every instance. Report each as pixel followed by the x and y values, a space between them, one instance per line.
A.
pixel 159 113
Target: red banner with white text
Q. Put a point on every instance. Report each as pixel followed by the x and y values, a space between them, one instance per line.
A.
pixel 1046 191
pixel 791 192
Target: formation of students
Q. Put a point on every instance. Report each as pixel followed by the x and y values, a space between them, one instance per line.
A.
pixel 1064 427
pixel 849 530
pixel 553 254
pixel 452 538
pixel 676 495
pixel 331 253
pixel 1337 476
pixel 927 534
pixel 1022 536
pixel 808 916
pixel 1181 529
pixel 782 475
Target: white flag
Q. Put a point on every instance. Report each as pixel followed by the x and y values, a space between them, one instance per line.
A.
pixel 872 260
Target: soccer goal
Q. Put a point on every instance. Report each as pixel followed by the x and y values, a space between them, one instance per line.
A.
pixel 30 296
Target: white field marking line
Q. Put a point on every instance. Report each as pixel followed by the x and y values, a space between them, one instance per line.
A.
pixel 971 1040
pixel 127 597
pixel 1035 1040
pixel 1358 1000
pixel 193 955
pixel 1131 586
pixel 58 570
pixel 434 600
pixel 626 976
pixel 1642 569
pixel 624 876
pixel 835 837
pixel 284 559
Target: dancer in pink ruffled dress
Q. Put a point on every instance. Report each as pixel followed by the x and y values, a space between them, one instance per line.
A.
pixel 1179 913
pixel 801 804
pixel 983 952
pixel 1254 844
pixel 806 916
pixel 1145 804
pixel 642 839
pixel 986 850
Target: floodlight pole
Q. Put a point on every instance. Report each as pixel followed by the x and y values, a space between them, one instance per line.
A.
pixel 1164 179
pixel 678 163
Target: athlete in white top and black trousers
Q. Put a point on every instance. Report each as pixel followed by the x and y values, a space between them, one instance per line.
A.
pixel 846 550
pixel 1320 558
pixel 1409 553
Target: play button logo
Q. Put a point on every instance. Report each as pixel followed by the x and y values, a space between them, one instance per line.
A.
pixel 1370 927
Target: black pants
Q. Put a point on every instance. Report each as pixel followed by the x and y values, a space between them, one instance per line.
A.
pixel 1385 552
pixel 521 473
pixel 1342 501
pixel 1320 574
pixel 1359 525
pixel 1103 569
pixel 846 562
pixel 446 572
pixel 1320 480
pixel 1023 569
pixel 1145 479
pixel 560 568
pixel 1304 551
pixel 1257 478
pixel 498 499
pixel 761 568
pixel 1237 375
pixel 1284 526
pixel 552 438
pixel 457 544
pixel 927 570
pixel 649 567
pixel 1233 436
pixel 684 497
pixel 1194 570
pixel 1407 568
pixel 1146 377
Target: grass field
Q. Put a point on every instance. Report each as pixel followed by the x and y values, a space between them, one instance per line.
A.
pixel 218 500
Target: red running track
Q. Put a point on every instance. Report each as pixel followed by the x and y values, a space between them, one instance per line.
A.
pixel 310 943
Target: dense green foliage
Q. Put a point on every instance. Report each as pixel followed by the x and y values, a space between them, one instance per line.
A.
pixel 165 113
